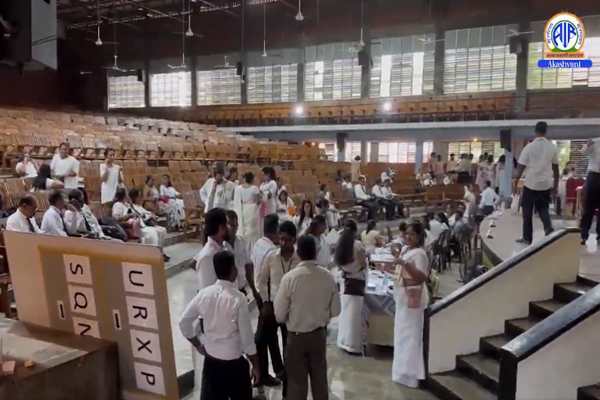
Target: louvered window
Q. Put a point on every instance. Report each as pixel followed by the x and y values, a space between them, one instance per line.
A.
pixel 479 60
pixel 125 92
pixel 219 86
pixel 329 148
pixel 352 150
pixel 558 78
pixel 476 148
pixel 578 160
pixel 171 89
pixel 273 84
pixel 401 152
pixel 402 66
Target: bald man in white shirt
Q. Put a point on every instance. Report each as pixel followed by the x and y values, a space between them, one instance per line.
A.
pixel 23 220
pixel 539 161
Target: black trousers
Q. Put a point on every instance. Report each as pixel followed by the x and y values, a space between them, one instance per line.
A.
pixel 540 201
pixel 591 201
pixel 371 207
pixel 226 380
pixel 399 206
pixel 390 208
pixel 463 178
pixel 487 210
pixel 267 342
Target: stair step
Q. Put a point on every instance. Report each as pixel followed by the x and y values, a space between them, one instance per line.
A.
pixel 567 292
pixel 515 327
pixel 457 387
pixel 480 368
pixel 545 308
pixel 586 281
pixel 491 345
pixel 588 393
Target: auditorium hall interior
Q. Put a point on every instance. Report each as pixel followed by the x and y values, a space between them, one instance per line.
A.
pixel 159 158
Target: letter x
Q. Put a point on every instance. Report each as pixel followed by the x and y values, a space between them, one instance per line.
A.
pixel 144 345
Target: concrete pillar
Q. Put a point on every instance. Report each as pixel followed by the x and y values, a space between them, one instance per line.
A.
pixel 341 156
pixel 301 79
pixel 194 67
pixel 374 153
pixel 522 64
pixel 419 155
pixel 505 182
pixel 438 58
pixel 364 151
pixel 147 82
pixel 244 57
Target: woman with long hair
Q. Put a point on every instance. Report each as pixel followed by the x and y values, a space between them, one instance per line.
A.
pixel 268 191
pixel 43 181
pixel 304 218
pixel 350 258
pixel 172 198
pixel 246 201
pixel 411 296
pixel 284 203
pixel 317 229
pixel 370 237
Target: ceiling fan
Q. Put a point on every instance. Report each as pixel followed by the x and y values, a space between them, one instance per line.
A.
pixel 189 32
pixel 225 64
pixel 512 32
pixel 183 35
pixel 98 41
pixel 115 66
pixel 355 48
pixel 299 17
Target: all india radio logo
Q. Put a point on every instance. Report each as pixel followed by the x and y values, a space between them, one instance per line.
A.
pixel 564 37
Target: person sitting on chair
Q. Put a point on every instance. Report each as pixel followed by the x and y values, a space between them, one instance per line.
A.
pixel 363 199
pixel 383 201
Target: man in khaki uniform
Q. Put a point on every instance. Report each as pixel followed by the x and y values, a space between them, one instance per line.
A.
pixel 306 301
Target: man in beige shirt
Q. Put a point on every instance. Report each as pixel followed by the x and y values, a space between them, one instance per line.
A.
pixel 278 263
pixel 306 301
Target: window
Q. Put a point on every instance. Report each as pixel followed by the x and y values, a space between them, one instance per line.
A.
pixel 125 92
pixel 352 150
pixel 330 150
pixel 171 89
pixel 402 152
pixel 491 147
pixel 273 84
pixel 399 66
pixel 479 60
pixel 332 80
pixel 219 86
pixel 558 78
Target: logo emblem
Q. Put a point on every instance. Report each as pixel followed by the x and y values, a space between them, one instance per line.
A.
pixel 564 35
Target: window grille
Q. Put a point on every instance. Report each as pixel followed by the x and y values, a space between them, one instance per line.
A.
pixel 125 92
pixel 171 89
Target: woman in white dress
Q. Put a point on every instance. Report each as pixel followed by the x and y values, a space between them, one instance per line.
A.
pixel 485 172
pixel 246 201
pixel 350 258
pixel 304 218
pixel 268 190
pixel 43 181
pixel 411 296
pixel 111 177
pixel 284 203
pixel 172 198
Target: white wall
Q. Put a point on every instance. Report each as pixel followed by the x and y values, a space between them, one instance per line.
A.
pixel 456 330
pixel 569 362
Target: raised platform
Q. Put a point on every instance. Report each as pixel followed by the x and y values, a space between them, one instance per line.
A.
pixel 65 365
pixel 509 227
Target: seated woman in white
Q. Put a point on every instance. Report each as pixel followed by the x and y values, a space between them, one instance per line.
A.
pixel 331 215
pixel 304 218
pixel 370 237
pixel 284 203
pixel 27 167
pixel 43 181
pixel 172 197
pixel 127 214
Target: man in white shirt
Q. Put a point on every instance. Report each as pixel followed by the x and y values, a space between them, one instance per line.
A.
pixel 387 191
pixel 265 339
pixel 223 334
pixel 216 191
pixel 23 220
pixel 65 167
pixel 306 301
pixel 591 190
pixel 53 221
pixel 277 264
pixel 539 161
pixel 111 177
pixel 215 231
pixel 346 184
pixel 363 199
pixel 489 199
pixel 237 246
pixel 383 200
pixel 27 168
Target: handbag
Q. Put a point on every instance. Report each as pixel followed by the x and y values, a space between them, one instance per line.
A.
pixel 134 231
pixel 354 287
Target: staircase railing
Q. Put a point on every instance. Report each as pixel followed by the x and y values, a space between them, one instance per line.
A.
pixel 454 325
pixel 557 357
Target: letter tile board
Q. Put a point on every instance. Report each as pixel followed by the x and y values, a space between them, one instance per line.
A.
pixel 107 290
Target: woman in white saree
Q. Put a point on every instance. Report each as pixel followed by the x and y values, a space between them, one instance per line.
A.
pixel 268 190
pixel 350 257
pixel 411 298
pixel 246 200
